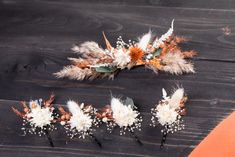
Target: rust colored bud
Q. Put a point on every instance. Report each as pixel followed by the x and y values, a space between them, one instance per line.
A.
pixel 34 105
pixel 26 110
pixel 67 116
pixel 63 117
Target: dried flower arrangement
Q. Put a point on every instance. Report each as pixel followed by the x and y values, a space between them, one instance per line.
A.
pixel 122 114
pixel 169 112
pixel 39 117
pixel 79 121
pixel 158 54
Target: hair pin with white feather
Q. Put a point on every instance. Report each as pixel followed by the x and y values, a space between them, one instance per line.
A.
pixel 79 121
pixel 39 117
pixel 158 54
pixel 169 112
pixel 122 114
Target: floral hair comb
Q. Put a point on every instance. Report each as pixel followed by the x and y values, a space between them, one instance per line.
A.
pixel 79 121
pixel 39 117
pixel 122 114
pixel 158 54
pixel 169 112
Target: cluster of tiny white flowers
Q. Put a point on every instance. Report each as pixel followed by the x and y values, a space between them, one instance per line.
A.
pixel 39 120
pixel 168 118
pixel 81 123
pixel 125 116
pixel 121 44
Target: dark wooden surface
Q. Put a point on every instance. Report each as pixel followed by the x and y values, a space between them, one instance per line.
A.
pixel 35 40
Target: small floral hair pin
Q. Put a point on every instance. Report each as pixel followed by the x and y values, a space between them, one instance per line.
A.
pixel 79 121
pixel 122 114
pixel 158 54
pixel 169 112
pixel 39 117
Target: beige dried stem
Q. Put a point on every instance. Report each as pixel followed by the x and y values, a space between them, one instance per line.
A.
pixel 108 45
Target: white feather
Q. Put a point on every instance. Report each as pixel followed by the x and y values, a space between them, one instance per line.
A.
pixel 164 93
pixel 165 36
pixel 74 107
pixel 116 104
pixel 144 40
pixel 176 97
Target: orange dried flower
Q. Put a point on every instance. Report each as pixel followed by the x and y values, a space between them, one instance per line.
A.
pixel 156 62
pixel 179 39
pixel 136 54
pixel 82 64
pixel 189 54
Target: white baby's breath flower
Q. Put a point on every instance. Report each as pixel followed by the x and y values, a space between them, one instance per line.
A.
pixel 39 116
pixel 82 122
pixel 124 115
pixel 79 120
pixel 121 58
pixel 166 115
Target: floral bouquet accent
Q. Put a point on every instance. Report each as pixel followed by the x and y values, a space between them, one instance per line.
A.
pixel 169 112
pixel 158 54
pixel 39 117
pixel 79 121
pixel 122 114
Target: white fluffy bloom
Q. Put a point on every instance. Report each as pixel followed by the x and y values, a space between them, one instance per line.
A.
pixel 124 115
pixel 164 37
pixel 144 40
pixel 121 58
pixel 79 120
pixel 166 115
pixel 39 116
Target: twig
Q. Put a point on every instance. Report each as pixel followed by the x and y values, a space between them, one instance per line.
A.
pixel 136 138
pixel 49 138
pixel 96 140
pixel 163 139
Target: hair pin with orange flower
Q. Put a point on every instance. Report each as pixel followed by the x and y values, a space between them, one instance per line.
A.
pixel 79 121
pixel 39 117
pixel 122 114
pixel 169 112
pixel 158 54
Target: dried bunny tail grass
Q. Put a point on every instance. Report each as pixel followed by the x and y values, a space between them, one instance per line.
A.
pixel 74 72
pixel 174 63
pixel 89 49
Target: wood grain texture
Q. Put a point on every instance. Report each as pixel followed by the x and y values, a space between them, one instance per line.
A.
pixel 35 40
